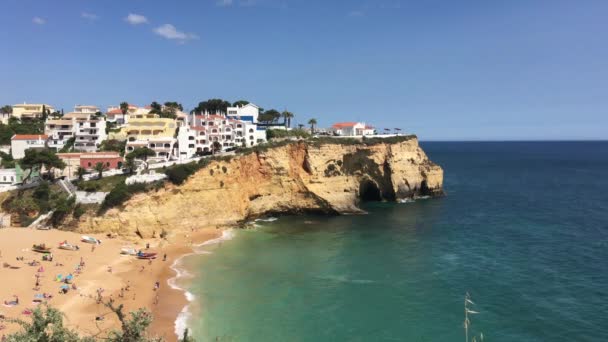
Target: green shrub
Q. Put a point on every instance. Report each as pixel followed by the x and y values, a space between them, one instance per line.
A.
pixel 79 210
pixel 62 208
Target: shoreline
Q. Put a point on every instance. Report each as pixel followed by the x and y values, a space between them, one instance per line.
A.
pixel 105 269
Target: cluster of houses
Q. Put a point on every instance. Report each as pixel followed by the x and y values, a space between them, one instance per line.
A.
pixel 180 138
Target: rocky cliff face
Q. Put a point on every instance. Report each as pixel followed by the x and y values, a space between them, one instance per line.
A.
pixel 295 178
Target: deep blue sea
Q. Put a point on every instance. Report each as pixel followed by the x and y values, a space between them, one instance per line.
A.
pixel 523 229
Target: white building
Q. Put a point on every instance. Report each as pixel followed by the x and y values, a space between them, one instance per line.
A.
pixel 30 111
pixel 114 113
pixel 352 129
pixel 248 112
pixel 4 117
pixel 22 142
pixel 214 133
pixel 86 109
pixel 8 177
pixel 89 131
pixel 59 131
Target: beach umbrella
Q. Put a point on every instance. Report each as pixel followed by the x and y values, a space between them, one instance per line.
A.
pixel 67 287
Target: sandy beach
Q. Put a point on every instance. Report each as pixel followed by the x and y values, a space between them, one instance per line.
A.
pixel 125 279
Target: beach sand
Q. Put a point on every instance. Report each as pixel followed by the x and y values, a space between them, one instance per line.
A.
pixel 80 305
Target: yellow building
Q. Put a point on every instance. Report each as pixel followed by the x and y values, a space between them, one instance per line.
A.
pixel 30 111
pixel 152 131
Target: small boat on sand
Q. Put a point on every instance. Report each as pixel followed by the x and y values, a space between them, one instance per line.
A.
pixel 68 246
pixel 41 248
pixel 128 251
pixel 146 256
pixel 89 239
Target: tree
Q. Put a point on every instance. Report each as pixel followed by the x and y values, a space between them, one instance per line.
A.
pixel 46 325
pixel 113 145
pixel 212 106
pixel 141 153
pixel 269 116
pixel 287 116
pixel 38 159
pixel 156 108
pixel 100 168
pixel 173 104
pixel 124 107
pixel 130 165
pixel 240 103
pixel 44 113
pixel 80 172
pixel 6 109
pixel 133 329
pixel 312 123
pixel 216 146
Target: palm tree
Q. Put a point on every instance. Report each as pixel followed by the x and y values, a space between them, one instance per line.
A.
pixel 300 126
pixel 81 171
pixel 312 123
pixel 387 130
pixel 6 109
pixel 397 130
pixel 287 116
pixel 130 164
pixel 100 168
pixel 124 107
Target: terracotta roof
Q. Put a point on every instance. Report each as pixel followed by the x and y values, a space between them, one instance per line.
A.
pixel 344 124
pixel 29 137
pixel 100 155
pixel 198 128
pixel 115 111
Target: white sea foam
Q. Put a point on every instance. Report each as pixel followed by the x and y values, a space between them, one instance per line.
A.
pixel 181 322
pixel 269 219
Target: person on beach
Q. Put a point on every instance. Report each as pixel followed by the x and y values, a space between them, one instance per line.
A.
pixel 165 257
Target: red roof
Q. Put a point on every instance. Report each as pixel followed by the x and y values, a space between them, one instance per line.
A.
pixel 115 111
pixel 197 128
pixel 30 137
pixel 344 124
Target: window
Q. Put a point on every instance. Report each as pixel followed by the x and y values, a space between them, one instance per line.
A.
pixel 251 137
pixel 251 130
pixel 89 164
pixel 108 164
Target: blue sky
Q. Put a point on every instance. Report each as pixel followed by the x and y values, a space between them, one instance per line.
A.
pixel 445 70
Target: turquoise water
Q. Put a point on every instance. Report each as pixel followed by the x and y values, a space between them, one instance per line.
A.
pixel 524 229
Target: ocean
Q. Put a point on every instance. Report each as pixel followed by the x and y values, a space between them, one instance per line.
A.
pixel 523 229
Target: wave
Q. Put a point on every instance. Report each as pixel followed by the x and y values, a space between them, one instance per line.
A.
pixel 345 279
pixel 269 219
pixel 181 322
pixel 412 200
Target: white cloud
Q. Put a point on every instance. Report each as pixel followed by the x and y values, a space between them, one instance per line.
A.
pixel 224 3
pixel 170 32
pixel 136 19
pixel 88 16
pixel 38 21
